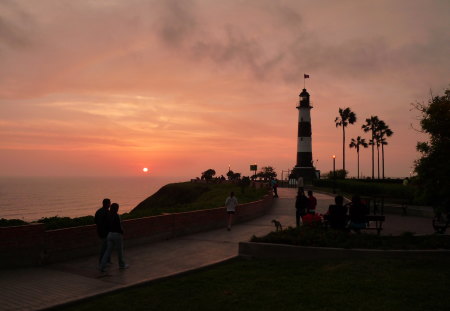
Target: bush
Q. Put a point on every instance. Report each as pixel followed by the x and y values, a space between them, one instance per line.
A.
pixel 340 174
pixel 371 188
pixel 11 222
pixel 52 223
pixel 323 237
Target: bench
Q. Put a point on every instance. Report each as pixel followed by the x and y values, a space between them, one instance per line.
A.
pixel 377 204
pixel 376 220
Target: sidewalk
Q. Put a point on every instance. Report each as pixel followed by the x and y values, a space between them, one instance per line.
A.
pixel 52 285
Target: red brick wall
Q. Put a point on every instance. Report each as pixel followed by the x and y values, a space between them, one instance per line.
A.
pixel 67 243
pixel 21 245
pixel 33 245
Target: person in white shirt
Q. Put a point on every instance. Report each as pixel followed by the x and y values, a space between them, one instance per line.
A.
pixel 230 204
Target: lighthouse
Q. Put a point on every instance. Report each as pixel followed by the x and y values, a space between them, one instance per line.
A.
pixel 304 165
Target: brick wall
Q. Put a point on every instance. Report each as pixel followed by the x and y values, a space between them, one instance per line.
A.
pixel 32 245
pixel 21 245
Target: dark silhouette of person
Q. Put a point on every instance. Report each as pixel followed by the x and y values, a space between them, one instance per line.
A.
pixel 101 221
pixel 301 206
pixel 114 238
pixel 337 214
pixel 357 214
pixel 274 184
pixel 230 204
pixel 300 183
pixel 312 203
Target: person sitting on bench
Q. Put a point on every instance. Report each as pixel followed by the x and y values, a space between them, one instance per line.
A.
pixel 337 214
pixel 357 213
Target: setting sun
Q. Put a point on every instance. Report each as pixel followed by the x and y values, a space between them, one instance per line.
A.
pixel 145 170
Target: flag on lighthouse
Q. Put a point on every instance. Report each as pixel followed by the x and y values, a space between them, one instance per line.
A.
pixel 305 76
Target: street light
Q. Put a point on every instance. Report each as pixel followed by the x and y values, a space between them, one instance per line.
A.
pixel 334 173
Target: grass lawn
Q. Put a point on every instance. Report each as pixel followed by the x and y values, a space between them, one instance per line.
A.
pixel 183 197
pixel 377 284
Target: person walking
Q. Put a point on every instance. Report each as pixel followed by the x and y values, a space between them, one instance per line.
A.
pixel 274 184
pixel 230 203
pixel 301 205
pixel 114 238
pixel 101 221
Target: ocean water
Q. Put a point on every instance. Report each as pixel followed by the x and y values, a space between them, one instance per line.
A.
pixel 31 198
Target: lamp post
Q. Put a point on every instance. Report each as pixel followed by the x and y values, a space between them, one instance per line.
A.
pixel 334 173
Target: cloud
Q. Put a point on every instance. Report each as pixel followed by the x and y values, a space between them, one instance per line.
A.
pixel 212 77
pixel 15 26
pixel 176 21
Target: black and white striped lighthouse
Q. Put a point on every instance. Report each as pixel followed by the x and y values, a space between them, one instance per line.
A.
pixel 304 166
pixel 304 144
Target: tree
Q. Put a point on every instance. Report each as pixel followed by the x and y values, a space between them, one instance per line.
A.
pixel 208 174
pixel 355 143
pixel 338 174
pixel 383 131
pixel 372 125
pixel 346 117
pixel 233 176
pixel 377 143
pixel 267 172
pixel 244 183
pixel 433 168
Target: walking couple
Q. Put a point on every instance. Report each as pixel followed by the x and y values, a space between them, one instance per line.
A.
pixel 110 232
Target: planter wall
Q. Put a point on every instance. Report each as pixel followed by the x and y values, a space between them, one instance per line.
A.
pixel 268 250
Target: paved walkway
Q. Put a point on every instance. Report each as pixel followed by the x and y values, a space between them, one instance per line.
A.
pixel 52 285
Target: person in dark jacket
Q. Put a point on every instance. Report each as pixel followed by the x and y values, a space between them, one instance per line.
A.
pixel 337 214
pixel 101 221
pixel 312 203
pixel 301 206
pixel 357 213
pixel 114 238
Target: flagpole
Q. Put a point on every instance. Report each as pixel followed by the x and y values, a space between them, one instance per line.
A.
pixel 305 76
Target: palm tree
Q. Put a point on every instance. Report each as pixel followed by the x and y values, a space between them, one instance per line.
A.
pixel 355 143
pixel 372 125
pixel 383 132
pixel 383 142
pixel 372 142
pixel 346 117
pixel 377 143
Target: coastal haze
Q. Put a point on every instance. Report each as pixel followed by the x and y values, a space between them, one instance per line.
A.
pixel 106 88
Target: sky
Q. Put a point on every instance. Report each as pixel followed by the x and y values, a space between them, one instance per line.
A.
pixel 108 87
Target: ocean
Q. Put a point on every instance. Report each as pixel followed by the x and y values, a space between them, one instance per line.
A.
pixel 31 198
